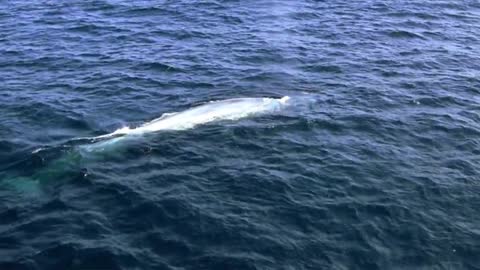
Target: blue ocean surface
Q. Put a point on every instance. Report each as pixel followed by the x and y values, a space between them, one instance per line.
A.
pixel 374 163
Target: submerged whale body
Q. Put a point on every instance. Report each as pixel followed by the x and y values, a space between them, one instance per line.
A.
pixel 230 109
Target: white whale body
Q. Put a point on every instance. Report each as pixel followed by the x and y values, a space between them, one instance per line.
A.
pixel 230 109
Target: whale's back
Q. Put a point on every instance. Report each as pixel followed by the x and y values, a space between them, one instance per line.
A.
pixel 230 109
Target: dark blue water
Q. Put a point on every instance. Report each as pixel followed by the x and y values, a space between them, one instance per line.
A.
pixel 379 169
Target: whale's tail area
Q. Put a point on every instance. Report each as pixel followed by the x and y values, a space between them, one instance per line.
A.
pixel 61 169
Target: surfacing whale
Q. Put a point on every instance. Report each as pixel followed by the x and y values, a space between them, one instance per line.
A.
pixel 230 109
pixel 93 148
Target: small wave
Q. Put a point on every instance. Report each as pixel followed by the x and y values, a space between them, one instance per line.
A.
pixel 420 15
pixel 38 150
pixel 323 68
pixel 84 28
pixel 158 67
pixel 404 34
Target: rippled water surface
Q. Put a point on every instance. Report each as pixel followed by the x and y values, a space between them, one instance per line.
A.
pixel 376 165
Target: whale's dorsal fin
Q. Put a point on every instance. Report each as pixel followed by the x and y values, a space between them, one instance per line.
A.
pixel 165 115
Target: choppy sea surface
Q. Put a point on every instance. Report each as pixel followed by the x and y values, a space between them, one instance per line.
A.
pixel 376 166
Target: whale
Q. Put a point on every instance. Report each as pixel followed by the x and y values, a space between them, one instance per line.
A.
pixel 230 109
pixel 90 149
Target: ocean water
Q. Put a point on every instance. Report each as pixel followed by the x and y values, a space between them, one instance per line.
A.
pixel 374 165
